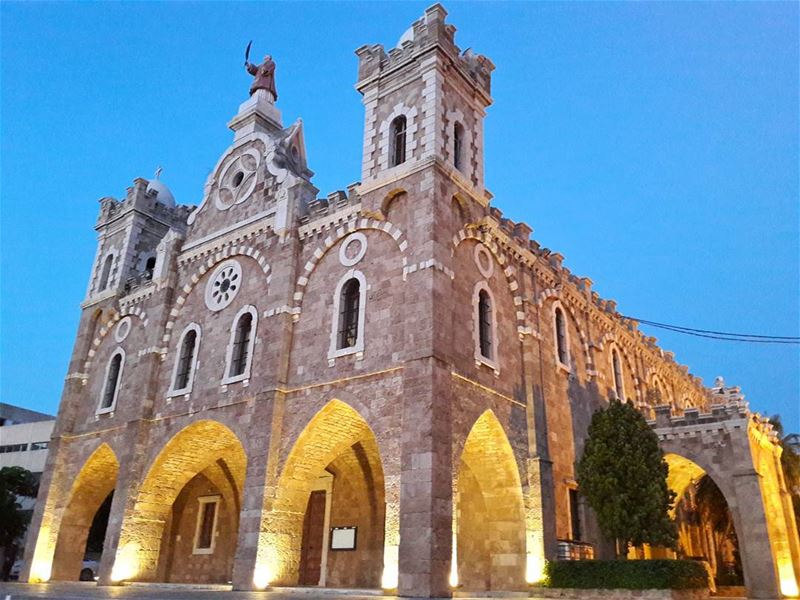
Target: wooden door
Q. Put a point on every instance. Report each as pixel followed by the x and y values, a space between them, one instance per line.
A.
pixel 313 530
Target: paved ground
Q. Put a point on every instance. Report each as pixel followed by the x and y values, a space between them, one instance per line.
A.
pixel 90 591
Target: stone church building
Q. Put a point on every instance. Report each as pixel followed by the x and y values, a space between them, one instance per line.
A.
pixel 385 387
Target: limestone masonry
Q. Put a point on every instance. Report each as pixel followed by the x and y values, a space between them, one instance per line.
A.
pixel 385 387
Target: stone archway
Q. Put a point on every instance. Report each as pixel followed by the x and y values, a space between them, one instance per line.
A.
pixel 704 519
pixel 489 545
pixel 202 464
pixel 339 447
pixel 93 484
pixel 738 450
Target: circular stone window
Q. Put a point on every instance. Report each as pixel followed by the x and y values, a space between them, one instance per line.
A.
pixel 123 329
pixel 353 249
pixel 223 285
pixel 484 260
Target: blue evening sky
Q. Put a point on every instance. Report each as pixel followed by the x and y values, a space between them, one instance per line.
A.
pixel 655 145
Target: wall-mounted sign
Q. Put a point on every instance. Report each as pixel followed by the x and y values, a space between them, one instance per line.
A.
pixel 343 538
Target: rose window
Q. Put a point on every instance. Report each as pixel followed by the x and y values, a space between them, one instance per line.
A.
pixel 223 285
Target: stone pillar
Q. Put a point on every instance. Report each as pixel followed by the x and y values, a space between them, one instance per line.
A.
pixel 250 568
pixel 751 528
pixel 425 482
pixel 391 536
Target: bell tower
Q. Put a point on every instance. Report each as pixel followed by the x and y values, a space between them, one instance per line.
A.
pixel 424 103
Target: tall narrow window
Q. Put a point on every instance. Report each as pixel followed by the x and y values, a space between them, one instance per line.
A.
pixel 106 272
pixel 398 141
pixel 458 145
pixel 485 324
pixel 617 366
pixel 188 349
pixel 241 345
pixel 149 267
pixel 206 524
pixel 348 314
pixel 561 337
pixel 575 515
pixel 111 386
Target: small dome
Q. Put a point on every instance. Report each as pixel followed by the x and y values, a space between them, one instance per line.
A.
pixel 408 36
pixel 164 195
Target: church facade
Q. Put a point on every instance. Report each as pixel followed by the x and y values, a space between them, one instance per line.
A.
pixel 384 387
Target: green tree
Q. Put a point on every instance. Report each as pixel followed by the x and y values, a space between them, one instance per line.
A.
pixel 623 476
pixel 14 481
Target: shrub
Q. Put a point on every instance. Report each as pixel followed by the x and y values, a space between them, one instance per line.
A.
pixel 626 574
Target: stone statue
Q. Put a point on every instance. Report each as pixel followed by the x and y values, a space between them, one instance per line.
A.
pixel 264 75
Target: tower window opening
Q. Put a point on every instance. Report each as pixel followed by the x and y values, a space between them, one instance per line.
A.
pixel 112 382
pixel 485 324
pixel 348 314
pixel 398 141
pixel 458 146
pixel 186 360
pixel 241 345
pixel 561 337
pixel 106 272
pixel 575 515
pixel 617 366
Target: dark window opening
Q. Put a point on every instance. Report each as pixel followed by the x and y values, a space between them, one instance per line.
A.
pixel 205 535
pixel 398 141
pixel 561 337
pixel 237 179
pixel 112 381
pixel 186 360
pixel 348 313
pixel 485 323
pixel 241 344
pixel 575 515
pixel 617 374
pixel 458 143
pixel 106 273
pixel 149 267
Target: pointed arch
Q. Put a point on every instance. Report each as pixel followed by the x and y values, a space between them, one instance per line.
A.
pixel 205 447
pixel 489 518
pixel 91 486
pixel 337 434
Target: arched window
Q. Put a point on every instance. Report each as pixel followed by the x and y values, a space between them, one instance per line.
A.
pixel 397 141
pixel 106 272
pixel 149 267
pixel 348 314
pixel 617 367
pixel 458 145
pixel 561 337
pixel 485 324
pixel 240 353
pixel 108 399
pixel 187 358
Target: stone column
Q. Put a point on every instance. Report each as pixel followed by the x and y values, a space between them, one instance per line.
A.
pixel 425 482
pixel 391 535
pixel 751 528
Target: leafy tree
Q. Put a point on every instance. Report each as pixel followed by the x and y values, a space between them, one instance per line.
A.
pixel 623 476
pixel 14 481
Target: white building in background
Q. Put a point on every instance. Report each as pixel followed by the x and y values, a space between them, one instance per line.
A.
pixel 24 439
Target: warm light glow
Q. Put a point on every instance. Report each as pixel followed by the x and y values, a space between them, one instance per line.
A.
pixel 40 571
pixel 126 563
pixel 534 569
pixel 788 582
pixel 454 562
pixel 261 577
pixel 390 576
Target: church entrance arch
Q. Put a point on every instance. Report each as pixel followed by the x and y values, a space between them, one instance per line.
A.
pixel 325 523
pixel 91 489
pixel 183 525
pixel 489 513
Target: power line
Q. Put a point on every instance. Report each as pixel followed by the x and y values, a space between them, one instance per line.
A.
pixel 727 336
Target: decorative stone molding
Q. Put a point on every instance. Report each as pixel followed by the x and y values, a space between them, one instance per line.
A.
pixel 334 238
pixel 108 326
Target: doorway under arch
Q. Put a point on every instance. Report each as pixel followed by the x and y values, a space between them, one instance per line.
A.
pixel 489 548
pixel 324 525
pixel 183 526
